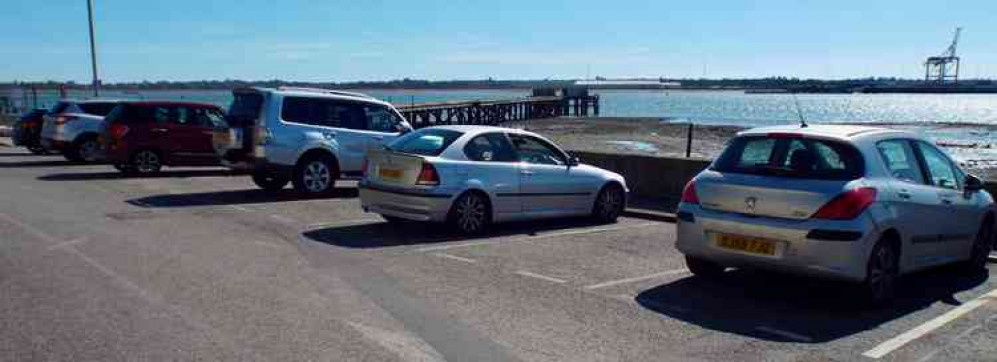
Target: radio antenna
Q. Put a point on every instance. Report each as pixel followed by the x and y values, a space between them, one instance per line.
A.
pixel 799 112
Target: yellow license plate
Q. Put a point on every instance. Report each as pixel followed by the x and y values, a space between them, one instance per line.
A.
pixel 387 174
pixel 747 244
pixel 222 137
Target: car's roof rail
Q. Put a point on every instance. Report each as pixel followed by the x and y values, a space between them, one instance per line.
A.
pixel 327 91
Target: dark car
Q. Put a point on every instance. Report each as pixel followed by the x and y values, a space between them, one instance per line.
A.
pixel 28 131
pixel 143 137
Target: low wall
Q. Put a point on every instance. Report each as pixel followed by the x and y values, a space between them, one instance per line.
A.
pixel 650 177
pixel 654 177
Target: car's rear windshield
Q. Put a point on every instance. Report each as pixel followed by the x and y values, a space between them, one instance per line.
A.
pixel 791 156
pixel 244 109
pixel 430 142
pixel 97 109
pixel 59 108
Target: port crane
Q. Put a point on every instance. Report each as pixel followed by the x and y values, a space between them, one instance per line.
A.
pixel 945 67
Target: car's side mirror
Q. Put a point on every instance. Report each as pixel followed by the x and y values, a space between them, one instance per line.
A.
pixel 973 183
pixel 573 161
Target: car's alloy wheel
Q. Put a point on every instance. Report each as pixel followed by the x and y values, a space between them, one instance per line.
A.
pixel 982 246
pixel 470 214
pixel 882 274
pixel 89 150
pixel 147 161
pixel 316 176
pixel 609 204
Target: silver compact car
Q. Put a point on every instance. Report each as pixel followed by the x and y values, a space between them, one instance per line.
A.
pixel 471 176
pixel 851 203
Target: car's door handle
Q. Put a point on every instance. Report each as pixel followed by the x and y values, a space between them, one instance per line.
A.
pixel 904 195
pixel 947 201
pixel 526 173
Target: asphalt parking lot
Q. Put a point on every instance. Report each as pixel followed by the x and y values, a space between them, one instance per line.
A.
pixel 199 264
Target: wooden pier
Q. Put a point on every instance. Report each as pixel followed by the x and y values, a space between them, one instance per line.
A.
pixel 543 104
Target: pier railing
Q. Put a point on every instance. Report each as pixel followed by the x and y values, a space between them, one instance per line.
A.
pixel 493 113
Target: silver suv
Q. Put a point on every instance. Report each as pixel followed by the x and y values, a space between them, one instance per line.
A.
pixel 310 137
pixel 71 127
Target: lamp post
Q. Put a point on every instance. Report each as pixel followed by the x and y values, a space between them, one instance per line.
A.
pixel 93 51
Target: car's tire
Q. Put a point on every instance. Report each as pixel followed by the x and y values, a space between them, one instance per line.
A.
pixel 124 167
pixel 393 219
pixel 470 214
pixel 87 149
pixel 38 150
pixel 316 175
pixel 269 181
pixel 982 246
pixel 146 162
pixel 704 268
pixel 71 154
pixel 609 204
pixel 882 274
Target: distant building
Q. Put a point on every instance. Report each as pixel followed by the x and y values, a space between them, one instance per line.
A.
pixel 628 84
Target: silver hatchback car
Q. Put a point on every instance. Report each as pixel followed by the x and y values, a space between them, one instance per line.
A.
pixel 471 176
pixel 851 203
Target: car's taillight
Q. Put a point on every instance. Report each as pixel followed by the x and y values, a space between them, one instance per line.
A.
pixel 119 131
pixel 847 205
pixel 689 193
pixel 428 176
pixel 64 119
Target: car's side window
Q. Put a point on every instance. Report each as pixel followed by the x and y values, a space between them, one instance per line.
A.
pixel 536 151
pixel 939 168
pixel 491 147
pixel 297 110
pixel 214 117
pixel 184 117
pixel 161 115
pixel 900 160
pixel 381 119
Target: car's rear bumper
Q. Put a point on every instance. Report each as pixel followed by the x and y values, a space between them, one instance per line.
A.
pixel 837 250
pixel 409 204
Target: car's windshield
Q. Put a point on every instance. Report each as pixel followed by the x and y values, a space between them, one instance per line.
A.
pixel 430 142
pixel 795 157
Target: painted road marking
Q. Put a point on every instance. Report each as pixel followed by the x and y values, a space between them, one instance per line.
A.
pixel 541 277
pixel 454 257
pixel 960 337
pixel 899 341
pixel 637 279
pixel 283 219
pixel 30 229
pixel 786 334
pixel 498 240
pixel 240 208
pixel 67 243
pixel 342 223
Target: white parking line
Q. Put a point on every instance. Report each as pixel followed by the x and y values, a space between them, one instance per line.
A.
pixel 960 337
pixel 343 223
pixel 240 208
pixel 899 341
pixel 786 334
pixel 637 279
pixel 541 277
pixel 535 237
pixel 67 243
pixel 283 219
pixel 454 257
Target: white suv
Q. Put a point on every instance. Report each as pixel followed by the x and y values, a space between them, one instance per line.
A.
pixel 71 127
pixel 310 137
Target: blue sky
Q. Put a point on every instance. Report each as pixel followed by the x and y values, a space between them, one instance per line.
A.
pixel 313 40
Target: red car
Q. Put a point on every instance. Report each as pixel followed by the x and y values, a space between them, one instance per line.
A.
pixel 143 137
